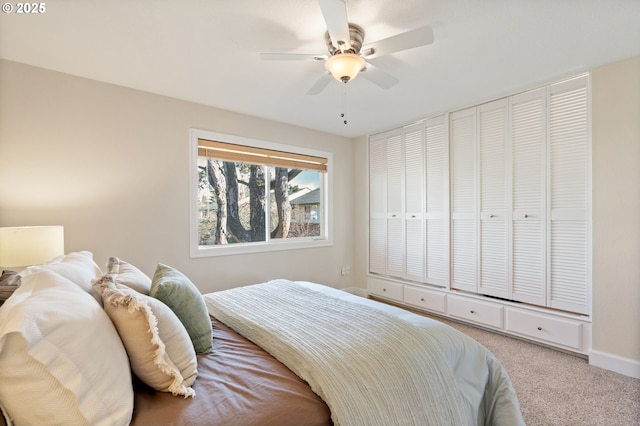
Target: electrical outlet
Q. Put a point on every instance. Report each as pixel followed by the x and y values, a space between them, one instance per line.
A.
pixel 346 270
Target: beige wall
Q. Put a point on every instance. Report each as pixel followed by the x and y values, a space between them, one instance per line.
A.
pixel 111 164
pixel 361 192
pixel 616 208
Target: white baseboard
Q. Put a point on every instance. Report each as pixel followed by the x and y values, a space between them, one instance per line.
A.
pixel 626 366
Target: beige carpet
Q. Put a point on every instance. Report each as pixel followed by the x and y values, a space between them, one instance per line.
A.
pixel 556 388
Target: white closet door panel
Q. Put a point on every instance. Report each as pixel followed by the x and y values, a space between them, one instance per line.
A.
pixel 377 245
pixel 415 248
pixel 463 255
pixel 377 177
pixel 414 202
pixel 377 206
pixel 492 140
pixel 493 258
pixel 568 149
pixel 463 201
pixel 395 247
pixel 395 175
pixel 437 161
pixel 528 156
pixel 568 269
pixel 437 258
pixel 463 161
pixel 568 196
pixel 528 142
pixel 437 206
pixel 414 169
pixel 529 259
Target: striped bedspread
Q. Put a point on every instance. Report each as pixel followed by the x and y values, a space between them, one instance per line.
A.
pixel 370 366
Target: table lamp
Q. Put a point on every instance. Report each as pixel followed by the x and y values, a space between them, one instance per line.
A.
pixel 30 245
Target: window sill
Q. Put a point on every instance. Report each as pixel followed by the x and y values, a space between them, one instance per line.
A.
pixel 259 247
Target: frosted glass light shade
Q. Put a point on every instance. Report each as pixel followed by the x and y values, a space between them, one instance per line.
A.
pixel 30 245
pixel 345 66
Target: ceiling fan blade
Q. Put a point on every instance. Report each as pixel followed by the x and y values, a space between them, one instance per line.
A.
pixel 320 84
pixel 378 77
pixel 414 38
pixel 335 16
pixel 291 57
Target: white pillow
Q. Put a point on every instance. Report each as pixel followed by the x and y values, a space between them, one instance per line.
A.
pixel 78 267
pixel 159 348
pixel 126 274
pixel 61 359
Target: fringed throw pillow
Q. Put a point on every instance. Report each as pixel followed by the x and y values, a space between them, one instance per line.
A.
pixel 159 348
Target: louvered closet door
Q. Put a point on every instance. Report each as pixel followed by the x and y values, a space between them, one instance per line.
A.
pixel 463 200
pixel 528 142
pixel 569 262
pixel 377 206
pixel 414 202
pixel 437 206
pixel 395 206
pixel 492 140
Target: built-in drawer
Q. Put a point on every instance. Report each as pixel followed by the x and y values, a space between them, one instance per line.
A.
pixel 548 328
pixel 484 313
pixel 386 289
pixel 422 298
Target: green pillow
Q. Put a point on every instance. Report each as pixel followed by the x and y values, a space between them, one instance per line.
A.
pixel 176 291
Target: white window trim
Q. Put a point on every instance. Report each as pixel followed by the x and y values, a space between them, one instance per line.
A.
pixel 197 251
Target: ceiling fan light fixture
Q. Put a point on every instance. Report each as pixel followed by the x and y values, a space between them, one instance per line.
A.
pixel 345 66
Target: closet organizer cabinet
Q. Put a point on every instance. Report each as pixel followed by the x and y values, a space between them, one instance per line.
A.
pixel 483 215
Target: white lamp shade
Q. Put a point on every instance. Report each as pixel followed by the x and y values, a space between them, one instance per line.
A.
pixel 30 245
pixel 345 66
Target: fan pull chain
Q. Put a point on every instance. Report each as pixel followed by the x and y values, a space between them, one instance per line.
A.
pixel 343 115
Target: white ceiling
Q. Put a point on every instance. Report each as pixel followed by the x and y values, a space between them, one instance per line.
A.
pixel 207 51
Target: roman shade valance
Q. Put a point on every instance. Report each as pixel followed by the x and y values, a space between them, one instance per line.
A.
pixel 252 155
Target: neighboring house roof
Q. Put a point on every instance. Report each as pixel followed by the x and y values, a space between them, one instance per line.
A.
pixel 312 197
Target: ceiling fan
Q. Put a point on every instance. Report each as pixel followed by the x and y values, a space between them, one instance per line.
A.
pixel 348 56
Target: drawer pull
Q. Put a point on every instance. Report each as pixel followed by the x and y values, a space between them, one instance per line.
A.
pixel 384 289
pixel 422 299
pixel 539 328
pixel 472 311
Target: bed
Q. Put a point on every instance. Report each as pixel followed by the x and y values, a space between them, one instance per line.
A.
pixel 280 353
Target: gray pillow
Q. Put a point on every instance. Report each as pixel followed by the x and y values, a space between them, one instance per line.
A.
pixel 126 274
pixel 174 289
pixel 9 278
pixel 9 282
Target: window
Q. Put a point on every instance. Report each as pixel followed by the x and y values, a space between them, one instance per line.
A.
pixel 249 195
